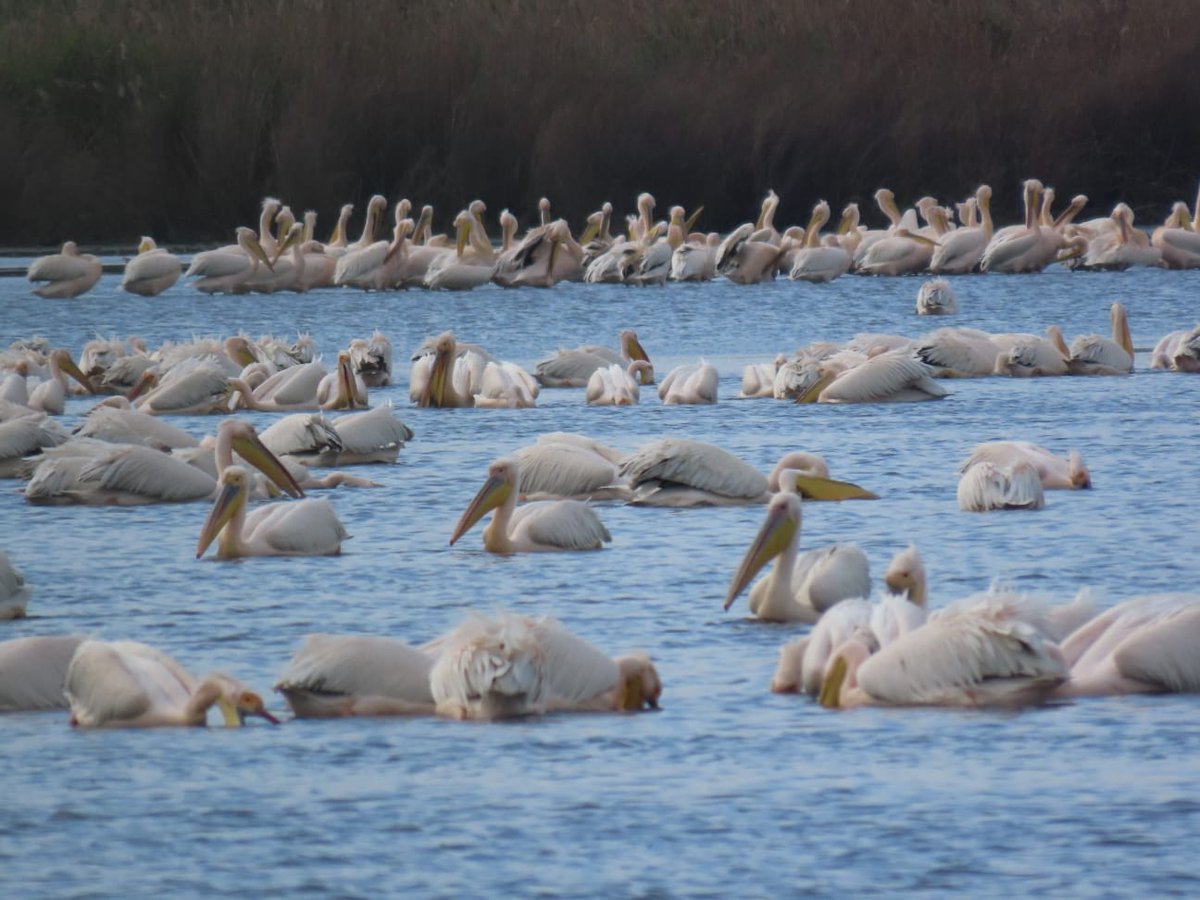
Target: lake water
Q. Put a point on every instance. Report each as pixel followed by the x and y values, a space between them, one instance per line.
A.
pixel 728 790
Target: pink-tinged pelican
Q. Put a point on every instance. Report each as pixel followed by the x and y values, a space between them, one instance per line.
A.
pixel 936 298
pixel 51 395
pixel 68 273
pixel 125 684
pixel 228 269
pixel 508 665
pixel 1094 354
pixel 547 525
pixel 798 588
pixel 27 435
pixel 570 467
pixel 1145 645
pixel 152 271
pixel 573 368
pixel 32 672
pixel 1055 472
pixel 612 385
pixel 303 528
pixel 307 386
pixel 985 485
pixel 960 251
pixel 690 384
pixel 1178 351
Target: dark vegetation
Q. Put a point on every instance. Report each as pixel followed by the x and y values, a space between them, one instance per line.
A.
pixel 174 117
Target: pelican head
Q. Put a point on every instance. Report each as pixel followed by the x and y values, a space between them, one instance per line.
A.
pixel 632 349
pixel 502 482
pixel 779 531
pixel 293 238
pixel 242 439
pixel 237 702
pixel 247 239
pixel 62 359
pixel 146 244
pixel 592 228
pixel 1080 477
pixel 544 211
pixel 906 575
pixel 841 672
pixel 462 225
pixel 338 238
pixel 233 489
pixel 145 382
pixel 639 686
pixel 310 224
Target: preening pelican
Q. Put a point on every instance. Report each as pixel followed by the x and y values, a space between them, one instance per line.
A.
pixel 303 528
pixel 125 684
pixel 14 592
pixel 960 251
pixel 798 589
pixel 690 383
pixel 115 421
pixel 958 352
pixel 985 486
pixel 1178 351
pixel 1177 241
pixel 988 651
pixel 1054 471
pixel 1030 356
pixel 507 665
pixel 152 271
pixel 758 379
pixel 372 359
pixel 456 376
pixel 573 368
pixel 535 527
pixel 612 385
pixel 307 386
pixel 24 436
pixel 32 672
pixel 1122 246
pixel 352 675
pixel 68 273
pixel 1141 646
pixel 744 260
pixel 936 298
pixel 570 467
pixel 896 376
pixel 228 269
pixel 375 436
pixel 1094 354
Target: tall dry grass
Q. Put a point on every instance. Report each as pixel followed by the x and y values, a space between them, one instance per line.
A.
pixel 173 117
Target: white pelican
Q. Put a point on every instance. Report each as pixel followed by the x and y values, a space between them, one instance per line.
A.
pixel 152 271
pixel 686 384
pixel 1055 472
pixel 1178 351
pixel 895 376
pixel 375 436
pixel 573 368
pixel 120 475
pixel 797 589
pixel 1121 247
pixel 226 270
pixel 535 527
pixel 1016 249
pixel 696 260
pixel 936 298
pixel 1094 354
pixel 1177 241
pixel 903 252
pixel 960 251
pixel 125 684
pixel 988 651
pixel 50 396
pixel 14 593
pixel 509 665
pixel 505 385
pixel 446 377
pixel 306 386
pixel 379 265
pixel 1033 356
pixel 612 385
pixel 744 260
pixel 546 256
pixel 467 267
pixel 303 528
pixel 32 672
pixel 372 359
pixel 821 261
pixel 115 421
pixel 25 436
pixel 287 269
pixel 985 485
pixel 1141 646
pixel 352 675
pixel 958 352
pixel 758 379
pixel 570 467
pixel 68 273
pixel 197 388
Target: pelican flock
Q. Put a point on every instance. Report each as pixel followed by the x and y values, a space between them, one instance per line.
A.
pixel 994 649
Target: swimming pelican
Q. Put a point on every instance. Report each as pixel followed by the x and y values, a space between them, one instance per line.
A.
pixel 354 675
pixel 958 352
pixel 14 592
pixel 68 273
pixel 1176 240
pixel 509 665
pixel 573 368
pixel 985 485
pixel 1095 354
pixel 1121 247
pixel 612 385
pixel 696 260
pixel 936 298
pixel 50 396
pixel 744 260
pixel 1178 351
pixel 798 589
pixel 986 651
pixel 375 436
pixel 1141 646
pixel 152 271
pixel 1056 473
pixel 26 436
pixel 895 376
pixel 903 252
pixel 227 270
pixel 303 528
pixel 307 386
pixel 960 251
pixel 467 267
pixel 570 467
pixel 125 684
pixel 688 384
pixel 32 672
pixel 535 527
pixel 115 421
pixel 821 260
pixel 1030 356
pixel 1017 249
pixel 758 379
pixel 372 359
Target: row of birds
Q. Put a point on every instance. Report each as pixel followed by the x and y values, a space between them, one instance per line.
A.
pixel 282 255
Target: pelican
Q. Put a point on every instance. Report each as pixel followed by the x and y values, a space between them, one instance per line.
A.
pixel 535 527
pixel 1176 240
pixel 985 485
pixel 375 436
pixel 372 359
pixel 68 273
pixel 1178 351
pixel 227 270
pixel 1055 472
pixel 987 651
pixel 895 376
pixel 612 385
pixel 1034 356
pixel 152 271
pixel 125 684
pixel 115 421
pixel 199 387
pixel 14 593
pixel 50 396
pixel 936 298
pixel 304 528
pixel 509 665
pixel 1121 247
pixel 445 378
pixel 958 352
pixel 681 472
pixel 960 251
pixel 689 384
pixel 570 467
pixel 573 368
pixel 821 260
pixel 505 385
pixel 32 672
pixel 352 675
pixel 25 436
pixel 696 260
pixel 798 589
pixel 903 252
pixel 758 379
pixel 463 270
pixel 1141 646
pixel 1016 249
pixel 306 386
pixel 121 475
pixel 1094 354
pixel 379 264
pixel 744 260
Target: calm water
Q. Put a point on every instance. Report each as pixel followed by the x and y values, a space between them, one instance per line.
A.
pixel 729 790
